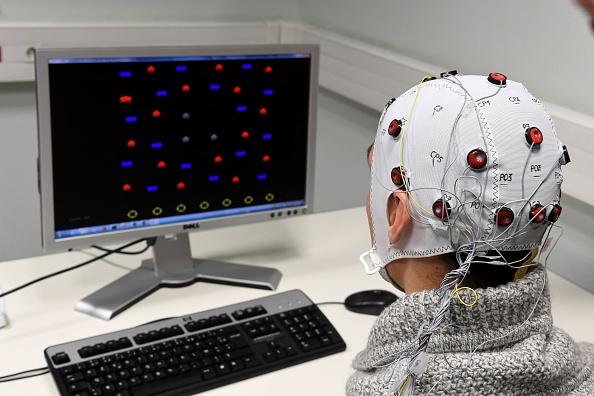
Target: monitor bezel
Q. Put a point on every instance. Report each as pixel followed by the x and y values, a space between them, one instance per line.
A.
pixel 45 173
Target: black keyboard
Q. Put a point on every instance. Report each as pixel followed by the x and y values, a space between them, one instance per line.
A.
pixel 194 353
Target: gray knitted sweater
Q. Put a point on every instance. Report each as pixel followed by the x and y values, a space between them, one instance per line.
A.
pixel 518 353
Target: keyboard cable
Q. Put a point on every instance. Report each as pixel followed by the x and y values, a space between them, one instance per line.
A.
pixel 44 370
pixel 25 374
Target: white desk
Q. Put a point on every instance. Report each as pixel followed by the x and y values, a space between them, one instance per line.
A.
pixel 318 254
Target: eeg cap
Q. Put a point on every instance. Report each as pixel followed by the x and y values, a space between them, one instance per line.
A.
pixel 480 160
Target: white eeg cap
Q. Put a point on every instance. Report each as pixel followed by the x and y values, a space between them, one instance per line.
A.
pixel 480 159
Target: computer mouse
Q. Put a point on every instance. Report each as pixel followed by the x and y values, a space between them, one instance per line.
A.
pixel 369 302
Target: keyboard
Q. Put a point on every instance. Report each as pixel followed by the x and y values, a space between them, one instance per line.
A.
pixel 190 354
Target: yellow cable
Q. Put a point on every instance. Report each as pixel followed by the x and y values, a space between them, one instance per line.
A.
pixel 403 386
pixel 404 128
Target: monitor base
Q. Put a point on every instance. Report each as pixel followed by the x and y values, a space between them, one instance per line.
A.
pixel 172 265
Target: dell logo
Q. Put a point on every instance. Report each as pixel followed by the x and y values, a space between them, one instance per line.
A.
pixel 192 226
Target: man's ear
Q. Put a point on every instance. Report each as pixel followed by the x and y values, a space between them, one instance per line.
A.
pixel 398 215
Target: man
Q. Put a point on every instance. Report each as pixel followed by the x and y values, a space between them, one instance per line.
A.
pixel 465 191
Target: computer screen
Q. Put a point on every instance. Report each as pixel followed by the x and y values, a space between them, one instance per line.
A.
pixel 161 141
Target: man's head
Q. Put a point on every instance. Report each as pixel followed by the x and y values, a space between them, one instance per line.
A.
pixel 464 164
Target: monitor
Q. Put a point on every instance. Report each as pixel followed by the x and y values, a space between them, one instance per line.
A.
pixel 157 142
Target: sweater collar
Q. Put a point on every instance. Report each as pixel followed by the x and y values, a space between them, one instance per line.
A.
pixel 501 315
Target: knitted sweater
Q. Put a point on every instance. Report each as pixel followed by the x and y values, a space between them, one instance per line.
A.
pixel 516 349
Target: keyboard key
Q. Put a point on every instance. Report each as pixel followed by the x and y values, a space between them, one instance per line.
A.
pixel 73 378
pixel 60 358
pixel 308 345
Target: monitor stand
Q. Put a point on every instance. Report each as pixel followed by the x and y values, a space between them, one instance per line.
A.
pixel 172 265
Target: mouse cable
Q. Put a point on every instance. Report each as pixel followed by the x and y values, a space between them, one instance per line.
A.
pixel 330 303
pixel 25 374
pixel 108 253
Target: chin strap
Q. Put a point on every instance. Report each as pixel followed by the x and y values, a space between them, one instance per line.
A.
pixel 370 262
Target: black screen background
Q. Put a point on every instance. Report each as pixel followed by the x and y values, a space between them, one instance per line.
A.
pixel 90 137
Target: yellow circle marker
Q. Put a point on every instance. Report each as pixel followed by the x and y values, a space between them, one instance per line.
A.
pixel 181 208
pixel 157 211
pixel 468 304
pixel 226 202
pixel 204 205
pixel 269 197
pixel 248 200
pixel 132 214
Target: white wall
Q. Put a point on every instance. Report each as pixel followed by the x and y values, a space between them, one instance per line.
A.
pixel 80 11
pixel 546 44
pixel 20 222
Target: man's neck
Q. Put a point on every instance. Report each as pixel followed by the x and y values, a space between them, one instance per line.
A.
pixel 417 274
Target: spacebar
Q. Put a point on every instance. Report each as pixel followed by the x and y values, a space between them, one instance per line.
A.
pixel 169 386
